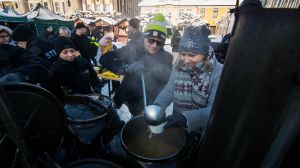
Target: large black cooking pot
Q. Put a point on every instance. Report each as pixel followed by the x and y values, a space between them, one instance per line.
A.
pixel 90 117
pixel 138 141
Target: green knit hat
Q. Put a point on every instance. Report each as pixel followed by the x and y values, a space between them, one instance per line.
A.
pixel 157 27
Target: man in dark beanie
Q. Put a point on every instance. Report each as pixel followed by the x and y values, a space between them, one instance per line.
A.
pixel 72 74
pixel 134 33
pixel 27 39
pixel 134 23
pixel 48 34
pixel 82 43
pixel 95 35
pixel 144 55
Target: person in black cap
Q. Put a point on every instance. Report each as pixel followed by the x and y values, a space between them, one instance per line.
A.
pixel 95 35
pixel 71 74
pixel 134 29
pixel 27 39
pixel 48 34
pixel 82 43
pixel 175 41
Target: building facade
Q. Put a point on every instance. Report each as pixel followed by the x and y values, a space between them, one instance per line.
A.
pixel 67 7
pixel 281 3
pixel 127 7
pixel 210 11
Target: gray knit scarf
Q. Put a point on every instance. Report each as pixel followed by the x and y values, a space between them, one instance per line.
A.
pixel 192 84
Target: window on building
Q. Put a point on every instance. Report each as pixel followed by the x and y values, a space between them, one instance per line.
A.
pixel 98 7
pixel 57 8
pixel 46 5
pixel 202 12
pixel 89 7
pixel 215 13
pixel 64 7
pixel 31 6
pixel 69 3
pixel 16 5
pixel 181 11
pixel 106 7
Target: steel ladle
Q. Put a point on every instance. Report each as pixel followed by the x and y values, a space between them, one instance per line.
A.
pixel 153 114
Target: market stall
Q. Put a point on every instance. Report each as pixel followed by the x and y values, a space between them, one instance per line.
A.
pixel 120 30
pixel 42 17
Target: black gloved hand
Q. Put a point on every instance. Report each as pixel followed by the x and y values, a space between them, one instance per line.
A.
pixel 175 120
pixel 135 68
pixel 97 88
pixel 13 77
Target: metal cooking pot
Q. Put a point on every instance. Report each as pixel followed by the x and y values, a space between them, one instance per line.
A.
pixel 138 141
pixel 91 116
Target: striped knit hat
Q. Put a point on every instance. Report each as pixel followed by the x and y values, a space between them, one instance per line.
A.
pixel 157 27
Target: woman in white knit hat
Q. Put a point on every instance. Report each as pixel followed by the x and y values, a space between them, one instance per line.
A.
pixel 5 35
pixel 193 82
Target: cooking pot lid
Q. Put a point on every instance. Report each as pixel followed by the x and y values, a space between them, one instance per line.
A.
pixel 39 114
pixel 138 140
pixel 82 108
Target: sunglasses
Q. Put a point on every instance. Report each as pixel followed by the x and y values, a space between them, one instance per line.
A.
pixel 158 43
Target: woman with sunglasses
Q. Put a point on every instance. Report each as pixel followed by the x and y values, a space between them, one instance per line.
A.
pixel 193 82
pixel 145 54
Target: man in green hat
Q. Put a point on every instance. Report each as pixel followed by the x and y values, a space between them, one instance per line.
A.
pixel 146 56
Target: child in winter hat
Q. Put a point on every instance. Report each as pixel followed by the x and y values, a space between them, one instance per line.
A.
pixel 157 27
pixel 195 39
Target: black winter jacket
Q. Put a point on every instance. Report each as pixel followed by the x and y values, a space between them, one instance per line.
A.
pixel 83 45
pixel 157 70
pixel 16 59
pixel 42 48
pixel 77 76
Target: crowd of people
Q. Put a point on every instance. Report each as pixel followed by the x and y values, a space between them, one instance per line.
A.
pixel 63 63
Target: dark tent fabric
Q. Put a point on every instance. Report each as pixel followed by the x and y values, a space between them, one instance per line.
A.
pixel 10 15
pixel 9 10
pixel 42 17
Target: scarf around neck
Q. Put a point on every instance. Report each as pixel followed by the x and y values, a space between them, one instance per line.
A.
pixel 192 84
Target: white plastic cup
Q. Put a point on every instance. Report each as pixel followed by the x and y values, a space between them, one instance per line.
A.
pixel 158 129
